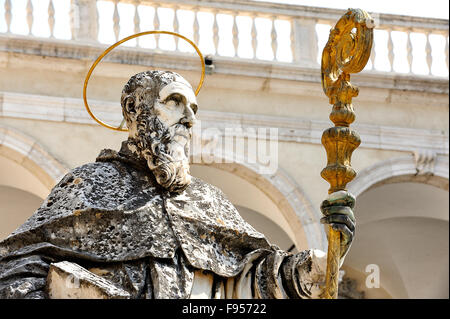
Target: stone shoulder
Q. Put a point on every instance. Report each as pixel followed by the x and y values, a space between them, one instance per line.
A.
pixel 98 185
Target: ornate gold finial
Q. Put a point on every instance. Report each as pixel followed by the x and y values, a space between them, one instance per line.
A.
pixel 347 51
pixel 120 127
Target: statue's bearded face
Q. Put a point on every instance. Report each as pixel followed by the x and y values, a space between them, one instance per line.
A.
pixel 160 130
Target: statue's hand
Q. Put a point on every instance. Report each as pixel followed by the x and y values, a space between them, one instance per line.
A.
pixel 337 209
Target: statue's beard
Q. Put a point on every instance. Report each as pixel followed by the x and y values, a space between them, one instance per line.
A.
pixel 166 150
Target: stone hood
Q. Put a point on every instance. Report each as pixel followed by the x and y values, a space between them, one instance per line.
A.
pixel 113 210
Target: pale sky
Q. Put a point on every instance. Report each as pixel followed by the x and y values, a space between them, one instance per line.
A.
pixel 422 8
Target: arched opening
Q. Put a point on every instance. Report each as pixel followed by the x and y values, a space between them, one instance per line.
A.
pixel 16 206
pixel 21 193
pixel 402 229
pixel 15 175
pixel 27 174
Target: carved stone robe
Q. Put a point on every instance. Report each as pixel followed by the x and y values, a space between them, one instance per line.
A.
pixel 112 218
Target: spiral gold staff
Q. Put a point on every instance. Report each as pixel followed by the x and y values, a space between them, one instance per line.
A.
pixel 347 51
pixel 120 128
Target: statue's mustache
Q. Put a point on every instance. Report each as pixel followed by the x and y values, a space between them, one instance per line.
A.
pixel 152 129
pixel 180 129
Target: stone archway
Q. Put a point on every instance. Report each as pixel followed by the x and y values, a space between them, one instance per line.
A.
pixel 430 169
pixel 27 174
pixel 26 152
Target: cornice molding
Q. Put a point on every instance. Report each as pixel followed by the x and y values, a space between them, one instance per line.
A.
pixel 298 130
pixel 301 72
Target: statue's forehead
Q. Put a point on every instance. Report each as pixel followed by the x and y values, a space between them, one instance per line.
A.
pixel 178 87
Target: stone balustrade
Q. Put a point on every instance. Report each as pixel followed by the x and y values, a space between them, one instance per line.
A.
pixel 259 31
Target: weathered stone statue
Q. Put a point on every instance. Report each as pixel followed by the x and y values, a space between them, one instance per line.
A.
pixel 136 224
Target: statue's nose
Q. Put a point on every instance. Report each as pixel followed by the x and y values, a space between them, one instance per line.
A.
pixel 189 118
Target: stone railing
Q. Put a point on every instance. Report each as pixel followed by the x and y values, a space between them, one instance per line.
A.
pixel 254 31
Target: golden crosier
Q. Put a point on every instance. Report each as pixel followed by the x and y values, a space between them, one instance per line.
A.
pixel 347 51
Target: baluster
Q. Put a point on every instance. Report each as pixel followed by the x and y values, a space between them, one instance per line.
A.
pixel 216 33
pixel 315 44
pixel 94 17
pixel 116 20
pixel 273 35
pixel 176 25
pixel 156 24
pixel 137 20
pixel 428 52
pixel 373 55
pixel 29 16
pixel 409 51
pixel 254 36
pixel 235 35
pixel 292 39
pixel 446 50
pixel 8 15
pixel 391 50
pixel 51 17
pixel 74 18
pixel 196 27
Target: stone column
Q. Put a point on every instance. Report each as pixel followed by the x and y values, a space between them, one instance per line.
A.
pixel 84 20
pixel 305 42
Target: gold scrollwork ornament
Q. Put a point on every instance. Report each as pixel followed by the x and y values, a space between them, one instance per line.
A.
pixel 347 51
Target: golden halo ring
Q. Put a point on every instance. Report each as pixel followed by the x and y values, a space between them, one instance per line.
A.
pixel 119 128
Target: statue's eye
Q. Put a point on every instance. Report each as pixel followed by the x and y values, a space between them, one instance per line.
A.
pixel 171 103
pixel 174 99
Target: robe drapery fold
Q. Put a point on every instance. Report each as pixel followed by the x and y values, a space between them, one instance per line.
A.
pixel 266 274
